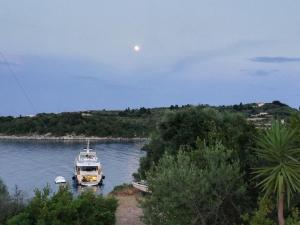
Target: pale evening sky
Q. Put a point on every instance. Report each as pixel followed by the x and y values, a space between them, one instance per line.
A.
pixel 77 55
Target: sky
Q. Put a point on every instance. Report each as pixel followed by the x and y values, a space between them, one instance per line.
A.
pixel 64 55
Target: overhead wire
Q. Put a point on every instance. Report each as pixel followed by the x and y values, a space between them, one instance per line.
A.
pixel 18 82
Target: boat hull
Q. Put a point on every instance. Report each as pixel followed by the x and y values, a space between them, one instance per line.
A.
pixel 96 182
pixel 89 184
pixel 141 187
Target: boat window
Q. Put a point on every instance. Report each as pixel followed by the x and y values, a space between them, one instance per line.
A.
pixel 88 168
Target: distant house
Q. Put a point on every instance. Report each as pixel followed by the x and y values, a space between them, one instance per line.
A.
pixel 260 104
pixel 261 114
pixel 255 119
pixel 260 120
pixel 86 114
pixel 30 115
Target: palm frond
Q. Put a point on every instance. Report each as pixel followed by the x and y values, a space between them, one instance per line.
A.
pixel 282 171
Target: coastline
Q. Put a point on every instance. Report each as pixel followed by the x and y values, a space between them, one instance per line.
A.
pixel 71 138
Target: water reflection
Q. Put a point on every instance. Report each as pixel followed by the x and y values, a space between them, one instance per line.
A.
pixel 95 189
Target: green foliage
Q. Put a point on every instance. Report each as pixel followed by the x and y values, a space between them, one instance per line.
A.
pixel 63 209
pixel 10 205
pixel 4 200
pixel 276 109
pixel 294 218
pixel 120 188
pixel 261 216
pixel 185 191
pixel 3 191
pixel 280 172
pixel 294 124
pixel 127 123
pixel 184 127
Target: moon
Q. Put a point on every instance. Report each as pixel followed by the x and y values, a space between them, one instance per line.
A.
pixel 137 48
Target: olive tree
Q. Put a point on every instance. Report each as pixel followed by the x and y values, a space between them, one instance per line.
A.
pixel 201 187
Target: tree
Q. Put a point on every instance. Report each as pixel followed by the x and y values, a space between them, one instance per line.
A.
pixel 10 205
pixel 183 127
pixel 294 123
pixel 280 172
pixel 4 199
pixel 262 215
pixel 278 103
pixel 202 186
pixel 62 208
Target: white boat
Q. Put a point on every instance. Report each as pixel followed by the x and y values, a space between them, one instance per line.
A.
pixel 60 180
pixel 141 185
pixel 87 168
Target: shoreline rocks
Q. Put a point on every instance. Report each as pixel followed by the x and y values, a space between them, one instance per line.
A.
pixel 72 138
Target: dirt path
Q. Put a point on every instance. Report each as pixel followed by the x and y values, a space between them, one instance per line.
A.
pixel 128 212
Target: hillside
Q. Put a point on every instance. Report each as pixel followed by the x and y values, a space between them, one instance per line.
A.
pixel 261 114
pixel 127 123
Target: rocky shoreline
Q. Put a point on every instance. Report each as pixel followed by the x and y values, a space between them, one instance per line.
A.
pixel 72 138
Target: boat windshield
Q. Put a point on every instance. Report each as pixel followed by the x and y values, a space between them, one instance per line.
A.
pixel 88 156
pixel 88 168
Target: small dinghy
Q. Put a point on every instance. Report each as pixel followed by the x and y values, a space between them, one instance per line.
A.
pixel 60 180
pixel 141 185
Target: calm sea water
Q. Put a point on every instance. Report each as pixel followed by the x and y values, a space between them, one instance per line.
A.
pixel 34 164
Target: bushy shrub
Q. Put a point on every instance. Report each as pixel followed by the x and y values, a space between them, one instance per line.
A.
pixel 10 205
pixel 198 187
pixel 63 208
pixel 184 127
pixel 261 216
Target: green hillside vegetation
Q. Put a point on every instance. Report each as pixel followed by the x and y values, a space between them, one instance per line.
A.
pixel 185 191
pixel 204 166
pixel 200 166
pixel 10 204
pixel 277 109
pixel 62 207
pixel 127 123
